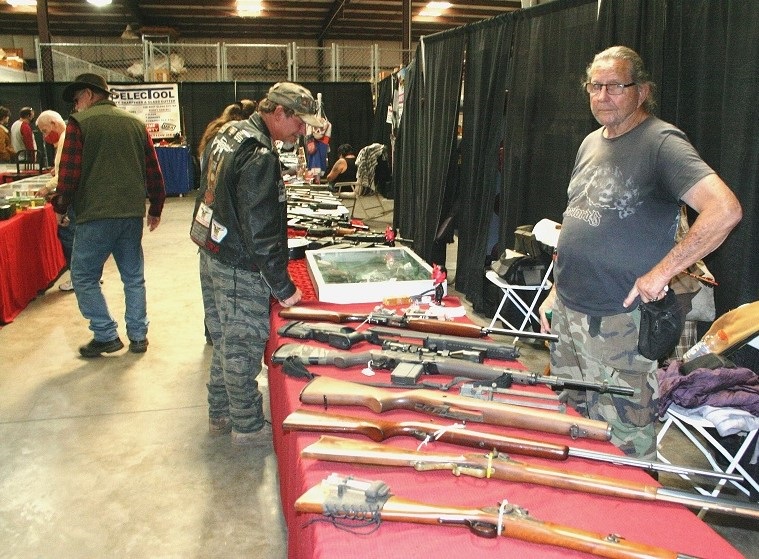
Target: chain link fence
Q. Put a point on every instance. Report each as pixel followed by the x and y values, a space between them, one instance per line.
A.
pixel 151 61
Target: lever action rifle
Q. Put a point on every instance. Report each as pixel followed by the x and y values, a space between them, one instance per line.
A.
pixel 345 337
pixel 379 430
pixel 496 466
pixel 347 497
pixel 433 364
pixel 447 327
pixel 326 391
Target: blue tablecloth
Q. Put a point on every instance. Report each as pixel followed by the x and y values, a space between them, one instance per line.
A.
pixel 177 168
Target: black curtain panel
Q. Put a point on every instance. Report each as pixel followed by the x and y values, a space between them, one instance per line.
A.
pixel 381 128
pixel 405 171
pixel 711 69
pixel 640 25
pixel 432 103
pixel 488 46
pixel 547 111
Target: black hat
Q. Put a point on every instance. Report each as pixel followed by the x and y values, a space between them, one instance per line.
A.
pixel 85 81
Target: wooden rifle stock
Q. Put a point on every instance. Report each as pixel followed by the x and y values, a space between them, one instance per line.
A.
pixel 379 430
pixel 515 523
pixel 328 391
pixel 494 466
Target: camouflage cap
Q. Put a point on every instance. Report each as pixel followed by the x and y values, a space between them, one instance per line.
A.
pixel 297 98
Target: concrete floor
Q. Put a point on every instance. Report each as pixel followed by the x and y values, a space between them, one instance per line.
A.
pixel 111 457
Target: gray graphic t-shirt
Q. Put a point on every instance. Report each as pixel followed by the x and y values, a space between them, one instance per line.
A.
pixel 622 213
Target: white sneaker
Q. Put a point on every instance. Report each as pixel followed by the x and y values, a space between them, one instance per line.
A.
pixel 66 286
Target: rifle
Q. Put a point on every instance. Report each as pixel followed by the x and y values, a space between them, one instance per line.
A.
pixel 345 337
pixel 372 502
pixel 446 327
pixel 379 430
pixel 433 364
pixel 329 391
pixel 497 466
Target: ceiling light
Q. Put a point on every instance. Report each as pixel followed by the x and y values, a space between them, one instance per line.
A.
pixel 19 3
pixel 99 3
pixel 249 8
pixel 434 9
pixel 129 34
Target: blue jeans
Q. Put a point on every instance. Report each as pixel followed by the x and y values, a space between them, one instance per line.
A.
pixel 94 242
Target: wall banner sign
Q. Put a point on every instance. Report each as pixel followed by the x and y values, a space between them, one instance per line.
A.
pixel 156 104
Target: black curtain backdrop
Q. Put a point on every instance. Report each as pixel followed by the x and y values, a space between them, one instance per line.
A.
pixel 485 93
pixel 704 58
pixel 348 105
pixel 381 128
pixel 546 117
pixel 427 139
pixel 711 69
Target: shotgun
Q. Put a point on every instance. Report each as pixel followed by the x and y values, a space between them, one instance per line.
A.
pixel 379 430
pixel 431 326
pixel 433 364
pixel 328 391
pixel 498 466
pixel 340 497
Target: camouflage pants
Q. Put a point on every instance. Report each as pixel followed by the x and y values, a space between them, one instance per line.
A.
pixel 610 356
pixel 236 304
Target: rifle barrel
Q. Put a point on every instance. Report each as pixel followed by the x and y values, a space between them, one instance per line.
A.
pixel 337 449
pixel 380 430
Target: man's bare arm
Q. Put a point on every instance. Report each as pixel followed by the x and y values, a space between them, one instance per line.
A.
pixel 718 213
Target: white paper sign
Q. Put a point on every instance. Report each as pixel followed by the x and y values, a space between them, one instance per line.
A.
pixel 156 104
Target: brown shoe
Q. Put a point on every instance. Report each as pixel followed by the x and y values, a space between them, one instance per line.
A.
pixel 261 437
pixel 219 425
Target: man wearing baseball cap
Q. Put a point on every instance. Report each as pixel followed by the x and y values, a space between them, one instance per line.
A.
pixel 240 223
pixel 107 165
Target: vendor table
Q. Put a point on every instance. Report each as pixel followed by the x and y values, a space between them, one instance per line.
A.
pixel 176 166
pixel 660 524
pixel 30 258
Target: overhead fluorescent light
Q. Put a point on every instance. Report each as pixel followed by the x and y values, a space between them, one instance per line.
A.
pixel 99 3
pixel 21 3
pixel 249 8
pixel 434 9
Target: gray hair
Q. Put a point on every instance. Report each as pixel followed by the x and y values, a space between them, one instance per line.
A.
pixel 638 72
pixel 50 117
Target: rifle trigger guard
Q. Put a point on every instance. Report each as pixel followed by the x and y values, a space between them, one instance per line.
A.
pixel 482 529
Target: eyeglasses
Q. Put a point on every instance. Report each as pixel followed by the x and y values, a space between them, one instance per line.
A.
pixel 611 88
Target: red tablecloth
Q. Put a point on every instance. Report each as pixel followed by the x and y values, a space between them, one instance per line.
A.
pixel 660 524
pixel 30 258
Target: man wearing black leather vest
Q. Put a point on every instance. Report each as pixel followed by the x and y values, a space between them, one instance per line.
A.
pixel 240 223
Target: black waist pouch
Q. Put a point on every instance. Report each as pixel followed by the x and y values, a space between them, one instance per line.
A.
pixel 661 324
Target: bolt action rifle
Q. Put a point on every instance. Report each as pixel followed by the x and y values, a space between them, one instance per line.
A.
pixel 380 430
pixel 501 467
pixel 345 337
pixel 446 327
pixel 371 502
pixel 432 364
pixel 326 391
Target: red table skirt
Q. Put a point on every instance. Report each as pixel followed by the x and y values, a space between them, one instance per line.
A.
pixel 30 258
pixel 665 525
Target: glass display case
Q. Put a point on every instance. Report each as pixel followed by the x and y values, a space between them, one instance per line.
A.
pixel 367 275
